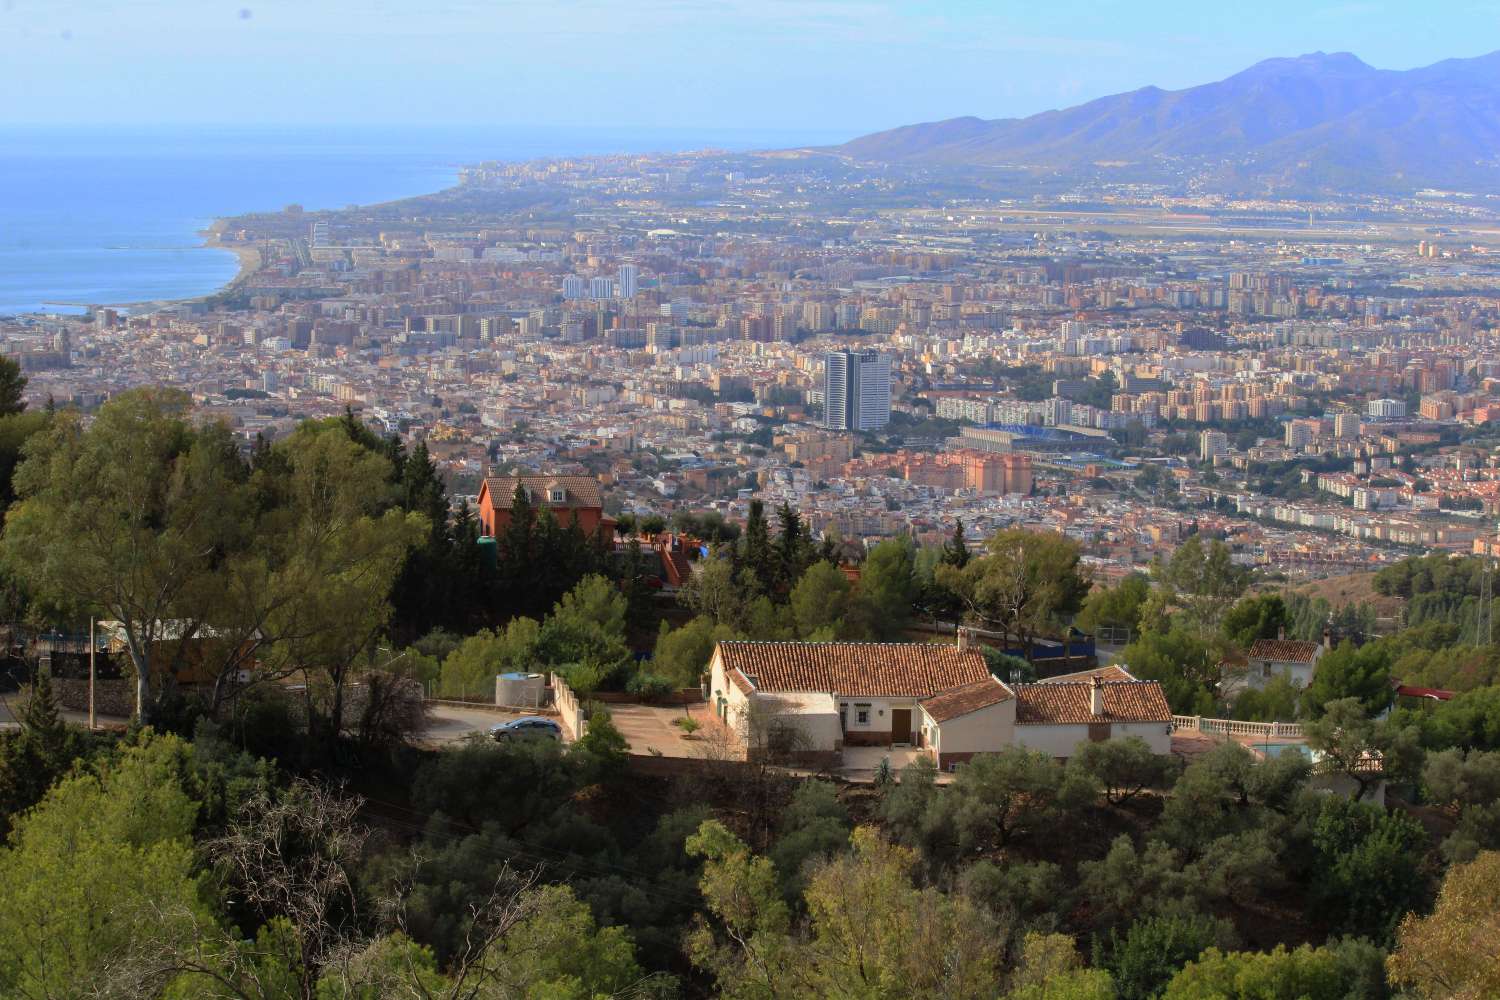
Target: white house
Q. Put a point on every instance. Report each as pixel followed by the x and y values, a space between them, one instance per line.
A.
pixel 819 697
pixel 1270 658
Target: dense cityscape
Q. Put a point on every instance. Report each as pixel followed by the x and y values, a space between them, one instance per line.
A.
pixel 1118 365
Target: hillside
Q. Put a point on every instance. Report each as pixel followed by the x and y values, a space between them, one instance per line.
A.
pixel 1318 121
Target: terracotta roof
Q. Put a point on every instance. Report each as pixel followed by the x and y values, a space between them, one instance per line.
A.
pixel 965 700
pixel 1284 650
pixel 581 491
pixel 856 669
pixel 1113 672
pixel 741 681
pixel 1067 703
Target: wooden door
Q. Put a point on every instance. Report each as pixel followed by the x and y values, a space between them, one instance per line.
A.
pixel 900 725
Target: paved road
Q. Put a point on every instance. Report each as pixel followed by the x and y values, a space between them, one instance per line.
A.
pixel 450 724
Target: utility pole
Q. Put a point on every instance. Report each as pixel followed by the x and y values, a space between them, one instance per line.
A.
pixel 93 647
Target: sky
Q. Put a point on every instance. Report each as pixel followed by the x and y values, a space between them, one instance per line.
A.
pixel 827 66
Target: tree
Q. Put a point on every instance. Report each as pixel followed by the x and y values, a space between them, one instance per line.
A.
pixel 1205 578
pixel 1155 949
pixel 1117 607
pixel 956 550
pixel 1455 952
pixel 15 430
pixel 1051 969
pixel 1029 583
pixel 1349 671
pixel 793 548
pixel 1124 768
pixel 348 556
pixel 756 554
pixel 1345 971
pixel 12 388
pixel 1000 796
pixel 874 933
pixel 557 950
pixel 887 588
pixel 712 590
pixel 814 827
pixel 99 882
pixel 683 654
pixel 127 519
pixel 471 668
pixel 1258 616
pixel 820 602
pixel 292 856
pixel 1182 662
pixel 1361 749
pixel 1468 785
pixel 587 629
pixel 1130 882
pixel 1363 865
pixel 749 950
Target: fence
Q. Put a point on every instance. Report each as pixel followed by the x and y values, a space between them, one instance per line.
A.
pixel 1235 727
pixel 568 707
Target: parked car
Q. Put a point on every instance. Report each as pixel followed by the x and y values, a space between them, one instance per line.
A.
pixel 527 727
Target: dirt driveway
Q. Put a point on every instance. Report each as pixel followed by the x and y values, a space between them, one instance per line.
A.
pixel 651 728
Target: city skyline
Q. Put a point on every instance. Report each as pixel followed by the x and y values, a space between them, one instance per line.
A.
pixel 843 64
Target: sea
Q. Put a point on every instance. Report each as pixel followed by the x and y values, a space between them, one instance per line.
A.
pixel 112 216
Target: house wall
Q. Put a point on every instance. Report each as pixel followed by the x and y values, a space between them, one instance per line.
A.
pixel 1061 740
pixel 876 732
pixel 1300 673
pixel 988 730
pixel 725 699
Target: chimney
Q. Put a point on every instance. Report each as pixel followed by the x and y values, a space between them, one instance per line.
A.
pixel 1096 697
pixel 1281 632
pixel 963 639
pixel 1327 639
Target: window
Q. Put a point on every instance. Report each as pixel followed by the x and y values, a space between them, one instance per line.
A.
pixel 557 496
pixel 862 714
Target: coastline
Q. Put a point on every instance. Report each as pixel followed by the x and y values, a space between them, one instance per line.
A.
pixel 247 255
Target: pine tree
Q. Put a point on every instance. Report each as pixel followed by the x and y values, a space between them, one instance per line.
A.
pixel 758 560
pixel 791 548
pixel 41 717
pixel 956 552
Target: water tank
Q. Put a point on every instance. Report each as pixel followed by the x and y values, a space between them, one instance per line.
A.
pixel 488 552
pixel 526 690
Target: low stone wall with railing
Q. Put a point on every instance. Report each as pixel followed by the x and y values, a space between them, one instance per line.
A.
pixel 1236 727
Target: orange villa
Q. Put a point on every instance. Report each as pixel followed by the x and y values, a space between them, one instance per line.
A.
pixel 566 496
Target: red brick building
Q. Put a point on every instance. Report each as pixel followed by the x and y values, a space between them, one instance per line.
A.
pixel 566 496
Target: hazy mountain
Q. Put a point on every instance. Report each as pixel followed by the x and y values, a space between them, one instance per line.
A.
pixel 1315 122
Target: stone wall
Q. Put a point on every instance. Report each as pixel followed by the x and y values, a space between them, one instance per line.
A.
pixel 111 697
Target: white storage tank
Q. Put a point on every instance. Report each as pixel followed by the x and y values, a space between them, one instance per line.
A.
pixel 526 690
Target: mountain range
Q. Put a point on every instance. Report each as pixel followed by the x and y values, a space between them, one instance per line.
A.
pixel 1319 122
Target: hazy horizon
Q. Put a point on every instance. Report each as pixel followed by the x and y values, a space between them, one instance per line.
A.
pixel 848 66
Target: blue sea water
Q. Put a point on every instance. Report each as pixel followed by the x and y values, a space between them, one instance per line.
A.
pixel 112 216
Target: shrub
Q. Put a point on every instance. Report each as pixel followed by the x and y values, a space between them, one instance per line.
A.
pixel 650 687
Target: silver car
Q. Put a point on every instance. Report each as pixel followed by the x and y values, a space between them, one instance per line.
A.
pixel 527 727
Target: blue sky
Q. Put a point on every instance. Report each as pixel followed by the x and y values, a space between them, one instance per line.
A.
pixel 826 65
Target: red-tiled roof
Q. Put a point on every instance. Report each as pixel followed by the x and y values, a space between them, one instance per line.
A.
pixel 857 669
pixel 1113 672
pixel 1436 694
pixel 1284 650
pixel 580 491
pixel 1067 703
pixel 965 700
